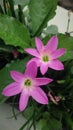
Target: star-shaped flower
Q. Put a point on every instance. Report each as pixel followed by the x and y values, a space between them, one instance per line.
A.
pixel 28 85
pixel 46 56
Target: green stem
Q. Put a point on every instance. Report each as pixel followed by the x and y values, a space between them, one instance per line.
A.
pixel 13 109
pixel 34 126
pixel 26 123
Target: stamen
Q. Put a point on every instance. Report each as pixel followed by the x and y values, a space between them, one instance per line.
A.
pixel 46 58
pixel 27 82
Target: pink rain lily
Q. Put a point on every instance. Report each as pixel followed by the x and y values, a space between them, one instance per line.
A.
pixel 28 85
pixel 46 56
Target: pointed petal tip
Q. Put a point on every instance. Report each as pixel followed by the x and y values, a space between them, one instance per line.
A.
pixel 4 93
pixel 31 69
pixel 21 109
pixel 50 80
pixel 32 64
pixel 23 101
pixel 55 37
pixel 45 102
pixel 65 50
pixel 12 71
pixel 43 68
pixel 43 72
pixel 36 38
pixel 56 65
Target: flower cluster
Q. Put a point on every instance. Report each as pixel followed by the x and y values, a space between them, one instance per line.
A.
pixel 28 84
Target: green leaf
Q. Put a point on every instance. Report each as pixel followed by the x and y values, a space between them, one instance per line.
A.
pixel 27 111
pixel 40 124
pixel 5 78
pixel 54 124
pixel 13 32
pixel 21 2
pixel 51 124
pixel 69 121
pixel 53 29
pixel 72 69
pixel 67 56
pixel 41 11
pixel 5 48
pixel 64 42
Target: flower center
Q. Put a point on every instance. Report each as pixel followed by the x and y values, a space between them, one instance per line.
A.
pixel 45 58
pixel 27 82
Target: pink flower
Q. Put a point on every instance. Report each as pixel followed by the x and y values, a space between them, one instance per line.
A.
pixel 28 85
pixel 46 56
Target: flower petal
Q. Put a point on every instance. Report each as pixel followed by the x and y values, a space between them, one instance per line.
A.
pixel 12 89
pixel 35 60
pixel 39 95
pixel 32 52
pixel 56 65
pixel 31 69
pixel 43 68
pixel 58 53
pixel 39 44
pixel 43 81
pixel 23 100
pixel 52 44
pixel 17 76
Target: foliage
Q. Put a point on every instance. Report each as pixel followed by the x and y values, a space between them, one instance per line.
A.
pixel 18 28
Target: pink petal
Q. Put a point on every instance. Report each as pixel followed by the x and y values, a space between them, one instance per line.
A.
pixel 52 44
pixel 12 89
pixel 39 44
pixel 31 69
pixel 56 65
pixel 39 95
pixel 32 52
pixel 58 53
pixel 17 76
pixel 43 81
pixel 23 100
pixel 35 60
pixel 43 68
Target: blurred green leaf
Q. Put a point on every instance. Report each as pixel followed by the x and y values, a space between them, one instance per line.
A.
pixel 21 2
pixel 72 69
pixel 65 42
pixel 13 32
pixel 28 112
pixel 54 124
pixel 67 56
pixel 51 124
pixel 52 29
pixel 40 124
pixel 41 11
pixel 5 48
pixel 69 121
pixel 5 78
